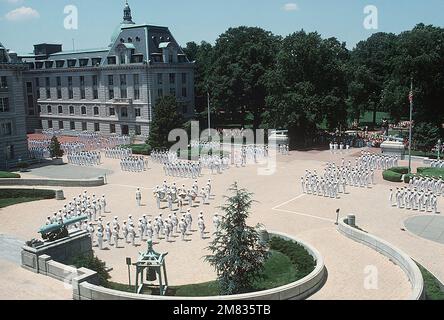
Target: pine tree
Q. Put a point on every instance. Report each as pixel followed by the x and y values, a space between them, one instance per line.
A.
pixel 55 148
pixel 237 254
pixel 166 118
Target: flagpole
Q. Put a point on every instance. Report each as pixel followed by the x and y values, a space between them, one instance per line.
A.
pixel 411 125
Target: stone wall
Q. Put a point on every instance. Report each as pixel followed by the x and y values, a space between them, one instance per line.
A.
pixel 35 259
pixel 394 254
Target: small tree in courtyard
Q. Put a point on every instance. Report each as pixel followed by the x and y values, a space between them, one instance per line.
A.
pixel 166 118
pixel 55 148
pixel 237 254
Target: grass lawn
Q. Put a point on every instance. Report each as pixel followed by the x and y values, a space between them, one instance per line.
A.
pixel 6 202
pixel 430 155
pixel 6 175
pixel 432 287
pixel 9 197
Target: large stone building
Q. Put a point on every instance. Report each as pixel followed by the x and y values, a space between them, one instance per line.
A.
pixel 13 139
pixel 108 90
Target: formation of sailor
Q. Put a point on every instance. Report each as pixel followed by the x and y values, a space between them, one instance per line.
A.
pixel 414 199
pixel 84 205
pixel 216 163
pixel 182 196
pixel 134 164
pixel 437 164
pixel 335 146
pixel 436 185
pixel 118 153
pixel 183 169
pixel 163 157
pixel 284 149
pixel 85 158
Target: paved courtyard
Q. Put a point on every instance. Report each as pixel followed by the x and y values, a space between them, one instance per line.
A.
pixel 280 206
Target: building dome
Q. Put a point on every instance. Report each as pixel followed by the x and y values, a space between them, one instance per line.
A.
pixel 127 21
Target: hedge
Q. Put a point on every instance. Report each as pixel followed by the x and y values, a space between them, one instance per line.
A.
pixel 26 193
pixel 395 174
pixel 8 175
pixel 432 172
pixel 140 149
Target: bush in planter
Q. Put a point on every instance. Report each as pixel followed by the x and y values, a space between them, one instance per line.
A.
pixel 55 148
pixel 22 166
pixel 395 174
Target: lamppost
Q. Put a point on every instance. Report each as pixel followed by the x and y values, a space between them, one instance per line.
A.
pixel 439 149
pixel 411 125
pixel 209 116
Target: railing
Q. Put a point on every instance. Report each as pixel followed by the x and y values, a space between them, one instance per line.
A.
pixel 124 101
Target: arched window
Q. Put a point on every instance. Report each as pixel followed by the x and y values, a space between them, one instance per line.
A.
pixel 96 111
pixel 60 109
pixel 71 109
pixel 49 109
pixel 83 110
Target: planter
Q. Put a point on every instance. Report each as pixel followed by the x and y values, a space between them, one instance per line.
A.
pixel 57 161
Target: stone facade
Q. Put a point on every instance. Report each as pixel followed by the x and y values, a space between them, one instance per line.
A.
pixel 109 90
pixel 13 140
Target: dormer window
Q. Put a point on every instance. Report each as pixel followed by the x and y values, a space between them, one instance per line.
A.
pixel 83 62
pixel 137 39
pixel 48 64
pixel 72 63
pixel 39 65
pixel 96 61
pixel 60 63
pixel 130 40
pixel 122 40
pixel 112 60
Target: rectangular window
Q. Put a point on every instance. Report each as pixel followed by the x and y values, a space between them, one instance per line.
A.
pixel 69 81
pixel 10 154
pixel 37 86
pixel 49 109
pixel 59 93
pixel 70 90
pixel 112 128
pixel 184 78
pixel 59 82
pixel 50 124
pixel 110 80
pixel 47 88
pixel 4 105
pixel 60 109
pixel 3 82
pixel 48 93
pixel 172 78
pixel 28 87
pixel 82 80
pixel 59 88
pixel 184 92
pixel 173 92
pixel 96 111
pixel 95 94
pixel 111 94
pixel 124 112
pixel 160 78
pixel 136 87
pixel 47 82
pixel 184 109
pixel 94 80
pixel 123 93
pixel 112 111
pixel 137 112
pixel 111 60
pixel 96 127
pixel 123 80
pixel 160 93
pixel 6 129
pixel 71 110
pixel 138 130
pixel 82 93
pixel 61 126
pixel 72 125
pixel 84 126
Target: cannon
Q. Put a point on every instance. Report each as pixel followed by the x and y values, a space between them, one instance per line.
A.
pixel 57 231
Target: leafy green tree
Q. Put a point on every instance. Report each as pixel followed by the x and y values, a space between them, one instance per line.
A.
pixel 55 148
pixel 425 136
pixel 237 254
pixel 167 117
pixel 236 78
pixel 308 86
pixel 93 263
